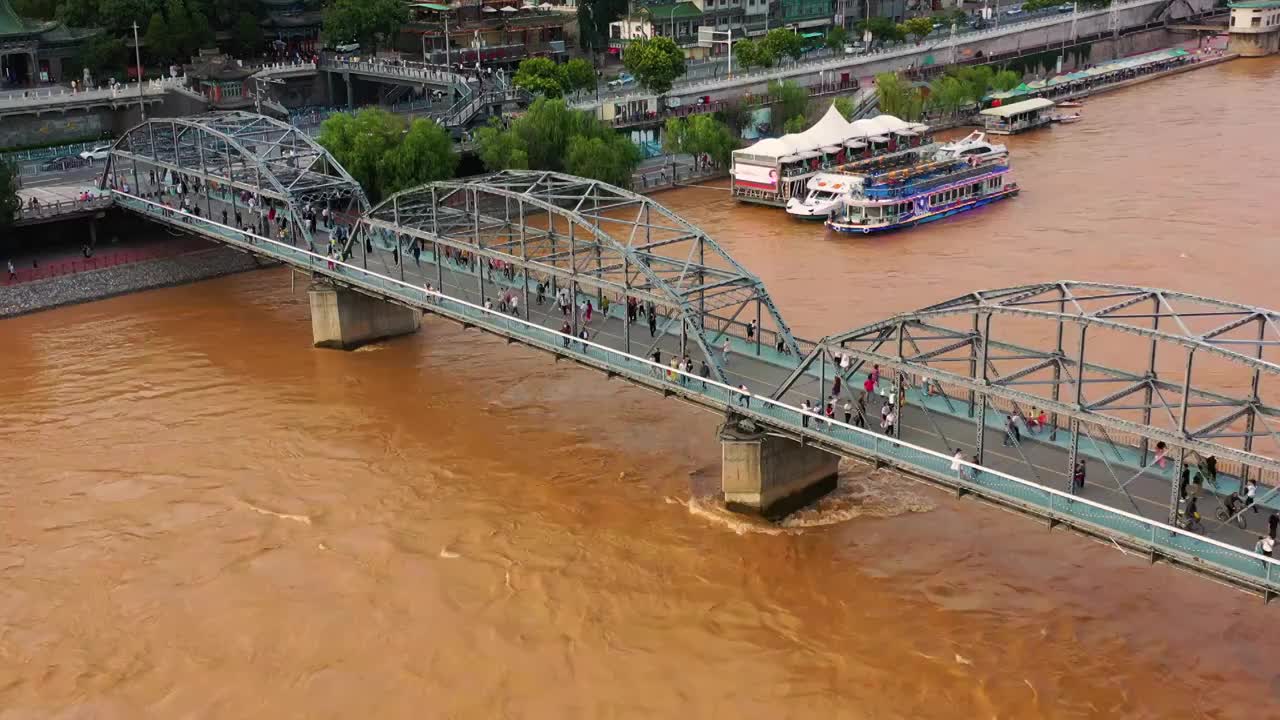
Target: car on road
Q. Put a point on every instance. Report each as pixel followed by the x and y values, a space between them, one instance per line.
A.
pixel 63 163
pixel 622 80
pixel 97 152
pixel 1066 7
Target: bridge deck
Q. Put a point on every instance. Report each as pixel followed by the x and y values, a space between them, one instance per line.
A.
pixel 925 421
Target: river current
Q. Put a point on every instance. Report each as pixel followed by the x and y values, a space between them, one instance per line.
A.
pixel 202 516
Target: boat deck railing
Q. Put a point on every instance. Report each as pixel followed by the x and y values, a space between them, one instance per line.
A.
pixel 929 183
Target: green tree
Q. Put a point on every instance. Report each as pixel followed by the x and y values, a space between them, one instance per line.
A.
pixel 1005 80
pixel 499 148
pixel 734 116
pixel 700 134
pixel 917 26
pixel 424 154
pixel 118 16
pixel 105 56
pixel 836 38
pixel 246 36
pixel 782 42
pixel 541 76
pixel 611 158
pixel 160 43
pixel 580 75
pixel 541 138
pixel 789 101
pixel 364 21
pixel 977 80
pixel 795 124
pixel 948 94
pixel 844 106
pixel 9 202
pixel 749 53
pixel 361 143
pixel 882 29
pixel 655 62
pixel 898 98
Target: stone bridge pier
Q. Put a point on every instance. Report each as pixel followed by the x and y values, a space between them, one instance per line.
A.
pixel 345 319
pixel 766 474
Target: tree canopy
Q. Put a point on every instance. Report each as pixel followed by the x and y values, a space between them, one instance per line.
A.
pixel 836 38
pixel 9 202
pixel 594 17
pixel 699 134
pixel 580 75
pixel 655 62
pixel 749 53
pixel 784 42
pixel 374 146
pixel 898 98
pixel 790 101
pixel 541 76
pixel 844 106
pixel 917 26
pixel 550 136
pixel 364 21
pixel 882 29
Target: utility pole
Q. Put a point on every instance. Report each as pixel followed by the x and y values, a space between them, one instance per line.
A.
pixel 137 59
pixel 446 39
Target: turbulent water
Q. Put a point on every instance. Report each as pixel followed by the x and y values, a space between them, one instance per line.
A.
pixel 202 516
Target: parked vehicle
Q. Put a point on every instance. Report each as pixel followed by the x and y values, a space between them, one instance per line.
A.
pixel 97 152
pixel 622 80
pixel 66 162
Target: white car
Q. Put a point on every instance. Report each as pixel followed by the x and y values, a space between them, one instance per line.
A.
pixel 99 152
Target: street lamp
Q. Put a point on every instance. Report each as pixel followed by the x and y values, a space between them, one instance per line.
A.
pixel 707 38
pixel 137 59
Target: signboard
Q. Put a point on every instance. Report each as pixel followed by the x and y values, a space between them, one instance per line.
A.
pixel 755 176
pixel 706 35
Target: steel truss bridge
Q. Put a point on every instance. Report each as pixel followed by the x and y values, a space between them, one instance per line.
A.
pixel 1139 383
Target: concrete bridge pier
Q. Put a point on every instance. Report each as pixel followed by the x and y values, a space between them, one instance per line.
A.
pixel 770 475
pixel 346 319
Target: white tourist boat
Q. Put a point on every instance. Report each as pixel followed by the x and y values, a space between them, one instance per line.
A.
pixel 828 192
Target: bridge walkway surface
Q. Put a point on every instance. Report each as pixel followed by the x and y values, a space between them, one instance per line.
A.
pixel 1115 504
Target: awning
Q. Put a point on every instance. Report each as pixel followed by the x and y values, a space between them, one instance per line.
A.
pixel 906 133
pixel 811 36
pixel 810 154
pixel 790 159
pixel 431 6
pixel 879 139
pixel 855 145
pixel 831 149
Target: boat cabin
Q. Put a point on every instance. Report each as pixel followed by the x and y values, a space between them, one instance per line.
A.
pixel 1017 117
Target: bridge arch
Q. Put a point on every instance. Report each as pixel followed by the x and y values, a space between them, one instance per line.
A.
pixel 1194 372
pixel 577 232
pixel 236 150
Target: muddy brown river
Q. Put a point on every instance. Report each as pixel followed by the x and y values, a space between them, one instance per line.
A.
pixel 201 516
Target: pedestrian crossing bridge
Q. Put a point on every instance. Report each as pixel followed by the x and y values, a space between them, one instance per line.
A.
pixel 1163 402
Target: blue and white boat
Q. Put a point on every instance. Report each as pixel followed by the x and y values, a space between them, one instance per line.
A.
pixel 960 177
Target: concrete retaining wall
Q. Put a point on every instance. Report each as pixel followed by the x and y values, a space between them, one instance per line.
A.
pixel 98 284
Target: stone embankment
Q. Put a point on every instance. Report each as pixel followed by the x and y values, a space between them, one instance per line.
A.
pixel 20 299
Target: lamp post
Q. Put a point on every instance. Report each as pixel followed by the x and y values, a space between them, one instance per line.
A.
pixel 137 59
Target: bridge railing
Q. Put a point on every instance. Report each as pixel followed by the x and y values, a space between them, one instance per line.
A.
pixel 1243 566
pixel 126 93
pixel 62 207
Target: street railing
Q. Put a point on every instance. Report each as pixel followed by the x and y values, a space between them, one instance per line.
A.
pixel 852 61
pixel 1242 566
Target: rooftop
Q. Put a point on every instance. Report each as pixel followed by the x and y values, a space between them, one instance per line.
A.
pixel 1019 107
pixel 1254 5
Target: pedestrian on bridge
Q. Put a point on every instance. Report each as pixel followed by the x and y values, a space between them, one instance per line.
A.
pixel 13 274
pixel 1077 477
pixel 875 376
pixel 705 372
pixel 751 330
pixel 1012 437
pixel 567 331
pixel 724 349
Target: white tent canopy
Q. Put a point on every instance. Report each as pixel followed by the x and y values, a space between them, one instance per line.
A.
pixel 831 130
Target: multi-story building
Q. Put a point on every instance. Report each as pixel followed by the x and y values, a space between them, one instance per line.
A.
pixel 806 14
pixel 680 21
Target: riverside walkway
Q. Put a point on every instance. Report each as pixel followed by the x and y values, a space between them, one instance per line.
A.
pixel 432 247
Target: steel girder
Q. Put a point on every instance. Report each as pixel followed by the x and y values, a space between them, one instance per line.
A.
pixel 591 234
pixel 1027 367
pixel 239 150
